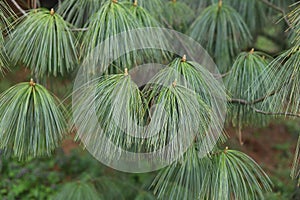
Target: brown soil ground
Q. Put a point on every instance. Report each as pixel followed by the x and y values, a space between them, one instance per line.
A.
pixel 265 145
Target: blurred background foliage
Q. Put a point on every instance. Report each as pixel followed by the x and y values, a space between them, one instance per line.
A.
pixel 45 178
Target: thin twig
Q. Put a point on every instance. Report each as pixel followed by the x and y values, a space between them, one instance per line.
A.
pixel 244 102
pixel 34 4
pixel 219 76
pixel 273 113
pixel 239 101
pixel 277 8
pixel 19 7
pixel 79 29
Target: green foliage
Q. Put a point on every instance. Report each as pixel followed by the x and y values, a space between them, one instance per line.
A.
pixel 112 188
pixel 144 18
pixel 119 108
pixel 244 83
pixel 77 191
pixel 77 12
pixel 224 174
pixel 154 7
pixel 45 178
pixel 294 18
pixel 284 79
pixel 145 196
pixel 222 32
pixel 187 108
pixel 172 10
pixel 5 14
pixel 199 6
pixel 296 164
pixel 182 179
pixel 234 175
pixel 112 19
pixel 32 121
pixel 3 56
pixel 44 43
pixel 32 180
pixel 283 4
pixel 253 13
pixel 283 186
pixel 180 100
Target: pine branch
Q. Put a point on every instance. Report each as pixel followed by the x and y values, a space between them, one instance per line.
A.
pixel 274 113
pixel 279 10
pixel 245 102
pixel 18 7
pixel 220 76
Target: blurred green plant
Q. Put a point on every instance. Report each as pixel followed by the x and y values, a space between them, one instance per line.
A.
pixel 221 30
pixel 6 16
pixel 78 12
pixel 172 10
pixel 247 90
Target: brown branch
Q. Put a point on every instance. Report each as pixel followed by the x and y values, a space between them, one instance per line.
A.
pixel 34 4
pixel 273 113
pixel 244 102
pixel 239 101
pixel 18 7
pixel 277 8
pixel 219 76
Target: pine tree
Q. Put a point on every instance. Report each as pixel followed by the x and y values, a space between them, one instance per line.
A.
pixel 54 43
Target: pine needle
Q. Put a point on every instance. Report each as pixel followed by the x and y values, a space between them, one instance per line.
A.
pixel 234 175
pixel 222 32
pixel 78 12
pixel 44 43
pixel 173 9
pixel 284 78
pixel 77 191
pixel 253 13
pixel 6 16
pixel 245 82
pixel 32 121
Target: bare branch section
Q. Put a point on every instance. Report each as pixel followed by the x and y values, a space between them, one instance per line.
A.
pixel 276 114
pixel 220 76
pixel 277 8
pixel 79 29
pixel 19 7
pixel 244 102
pixel 248 103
